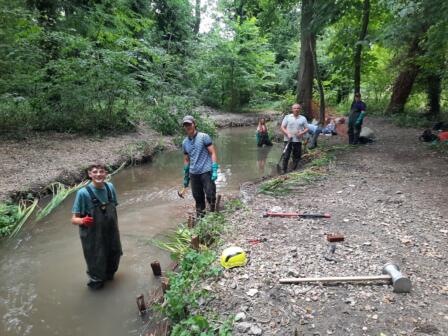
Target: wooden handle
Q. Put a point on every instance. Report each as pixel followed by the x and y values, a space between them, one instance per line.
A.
pixel 295 214
pixel 337 279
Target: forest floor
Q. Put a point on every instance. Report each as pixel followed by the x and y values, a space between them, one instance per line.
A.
pixel 389 199
pixel 38 159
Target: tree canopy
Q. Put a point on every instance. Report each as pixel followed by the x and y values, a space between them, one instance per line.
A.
pixel 105 65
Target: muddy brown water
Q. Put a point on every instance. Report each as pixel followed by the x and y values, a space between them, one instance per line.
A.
pixel 42 272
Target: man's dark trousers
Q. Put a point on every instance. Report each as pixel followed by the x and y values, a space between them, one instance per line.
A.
pixel 202 187
pixel 354 130
pixel 353 134
pixel 296 149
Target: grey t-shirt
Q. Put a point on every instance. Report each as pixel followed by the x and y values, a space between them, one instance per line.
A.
pixel 196 149
pixel 294 125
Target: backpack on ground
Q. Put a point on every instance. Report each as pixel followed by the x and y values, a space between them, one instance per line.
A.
pixel 427 136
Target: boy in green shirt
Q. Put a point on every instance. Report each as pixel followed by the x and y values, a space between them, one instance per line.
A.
pixel 94 211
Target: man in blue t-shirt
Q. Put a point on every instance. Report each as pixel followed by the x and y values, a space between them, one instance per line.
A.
pixel 357 113
pixel 200 166
pixel 94 211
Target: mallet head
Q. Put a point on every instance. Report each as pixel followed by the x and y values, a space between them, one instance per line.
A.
pixel 181 192
pixel 400 283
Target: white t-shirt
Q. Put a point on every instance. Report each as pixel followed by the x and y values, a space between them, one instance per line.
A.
pixel 294 125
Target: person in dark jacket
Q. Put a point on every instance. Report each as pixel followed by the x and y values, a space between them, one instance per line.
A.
pixel 357 113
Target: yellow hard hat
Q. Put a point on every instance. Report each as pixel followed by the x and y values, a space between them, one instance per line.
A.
pixel 233 256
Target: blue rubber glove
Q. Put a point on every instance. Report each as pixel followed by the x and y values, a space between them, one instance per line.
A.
pixel 215 167
pixel 360 118
pixel 186 175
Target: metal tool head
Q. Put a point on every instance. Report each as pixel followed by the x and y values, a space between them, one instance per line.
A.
pixel 400 283
pixel 181 192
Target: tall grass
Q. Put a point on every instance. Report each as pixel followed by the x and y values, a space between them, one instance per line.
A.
pixel 176 243
pixel 60 193
pixel 24 212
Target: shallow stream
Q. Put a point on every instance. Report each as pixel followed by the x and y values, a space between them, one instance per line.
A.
pixel 42 271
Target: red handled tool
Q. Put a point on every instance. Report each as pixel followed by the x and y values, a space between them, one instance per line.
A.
pixel 256 241
pixel 295 214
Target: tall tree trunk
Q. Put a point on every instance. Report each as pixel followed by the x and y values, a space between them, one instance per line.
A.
pixel 433 90
pixel 197 17
pixel 361 38
pixel 320 86
pixel 306 67
pixel 405 80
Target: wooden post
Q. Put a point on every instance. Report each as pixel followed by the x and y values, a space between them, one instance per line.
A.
pixel 156 269
pixel 141 303
pixel 218 202
pixel 195 242
pixel 190 222
pixel 165 284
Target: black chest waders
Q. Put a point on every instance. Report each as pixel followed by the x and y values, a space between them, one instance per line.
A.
pixel 101 242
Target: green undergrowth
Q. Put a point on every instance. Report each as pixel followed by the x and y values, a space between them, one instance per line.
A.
pixel 441 147
pixel 317 168
pixel 184 300
pixel 14 216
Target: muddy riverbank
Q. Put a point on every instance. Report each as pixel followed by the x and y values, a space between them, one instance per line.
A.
pixel 31 164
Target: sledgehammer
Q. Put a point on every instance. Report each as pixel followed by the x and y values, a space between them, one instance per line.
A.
pixel 295 214
pixel 391 272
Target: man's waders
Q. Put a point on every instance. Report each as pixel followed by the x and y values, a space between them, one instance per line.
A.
pixel 101 242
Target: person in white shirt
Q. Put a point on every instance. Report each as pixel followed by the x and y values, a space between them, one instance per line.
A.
pixel 294 127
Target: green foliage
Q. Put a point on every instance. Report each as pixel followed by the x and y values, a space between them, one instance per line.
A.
pixel 198 325
pixel 9 215
pixel 245 65
pixel 13 217
pixel 234 205
pixel 210 227
pixel 411 119
pixel 177 243
pixel 174 21
pixel 183 294
pixel 92 71
pixel 441 147
pixel 166 116
pixel 59 193
pixel 106 66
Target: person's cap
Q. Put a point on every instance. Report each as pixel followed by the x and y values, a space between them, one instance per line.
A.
pixel 188 120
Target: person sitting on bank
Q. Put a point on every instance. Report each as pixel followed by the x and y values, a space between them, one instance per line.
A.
pixel 262 133
pixel 200 166
pixel 357 113
pixel 94 211
pixel 294 127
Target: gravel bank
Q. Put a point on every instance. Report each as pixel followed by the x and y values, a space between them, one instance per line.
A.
pixel 389 199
